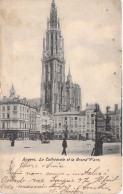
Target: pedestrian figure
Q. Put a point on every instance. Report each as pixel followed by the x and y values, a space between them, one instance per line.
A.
pixel 12 140
pixel 64 145
pixel 101 145
pixel 41 138
pixel 96 149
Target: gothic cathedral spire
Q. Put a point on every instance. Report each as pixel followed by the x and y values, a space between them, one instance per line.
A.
pixel 56 94
pixel 53 64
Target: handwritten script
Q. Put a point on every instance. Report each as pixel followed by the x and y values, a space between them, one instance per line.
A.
pixel 52 175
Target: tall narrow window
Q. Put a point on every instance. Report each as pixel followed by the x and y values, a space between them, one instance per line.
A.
pixel 3 108
pixel 15 107
pixel 8 108
pixel 3 115
pixel 8 115
pixel 60 70
pixel 46 72
pixel 56 44
pixel 3 125
pixel 51 71
pixel 51 43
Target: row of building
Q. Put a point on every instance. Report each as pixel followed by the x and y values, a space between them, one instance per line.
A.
pixel 26 119
pixel 82 124
pixel 22 117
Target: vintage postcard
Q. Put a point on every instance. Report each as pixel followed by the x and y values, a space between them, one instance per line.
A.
pixel 60 96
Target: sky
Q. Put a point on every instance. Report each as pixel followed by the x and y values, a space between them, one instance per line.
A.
pixel 92 44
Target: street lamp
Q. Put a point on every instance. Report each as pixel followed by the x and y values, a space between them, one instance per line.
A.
pixel 65 131
pixel 96 146
pixel 95 149
pixel 107 119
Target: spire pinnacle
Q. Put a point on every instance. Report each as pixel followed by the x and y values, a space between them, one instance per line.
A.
pixel 69 77
pixel 12 91
pixel 69 70
pixel 53 4
pixel 53 15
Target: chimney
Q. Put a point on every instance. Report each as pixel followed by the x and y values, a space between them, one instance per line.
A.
pixel 115 107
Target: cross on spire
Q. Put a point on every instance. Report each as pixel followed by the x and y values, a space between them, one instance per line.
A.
pixel 53 15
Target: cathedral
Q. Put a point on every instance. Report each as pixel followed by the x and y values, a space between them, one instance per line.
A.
pixel 57 94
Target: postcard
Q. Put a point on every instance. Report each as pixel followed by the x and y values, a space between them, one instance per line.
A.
pixel 60 96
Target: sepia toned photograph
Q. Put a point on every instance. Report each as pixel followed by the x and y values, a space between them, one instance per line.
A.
pixel 60 88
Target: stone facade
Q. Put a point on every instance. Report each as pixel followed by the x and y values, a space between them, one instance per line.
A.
pixel 17 116
pixel 115 123
pixel 46 124
pixel 79 124
pixel 90 121
pixel 66 124
pixel 57 95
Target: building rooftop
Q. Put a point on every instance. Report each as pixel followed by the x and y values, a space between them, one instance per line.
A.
pixel 67 113
pixel 119 111
pixel 35 102
pixel 12 99
pixel 90 106
pixel 82 113
pixel 112 113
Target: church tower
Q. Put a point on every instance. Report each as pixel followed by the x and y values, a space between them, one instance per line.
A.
pixel 53 65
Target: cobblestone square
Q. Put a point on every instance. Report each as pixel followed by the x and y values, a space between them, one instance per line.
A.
pixel 74 147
